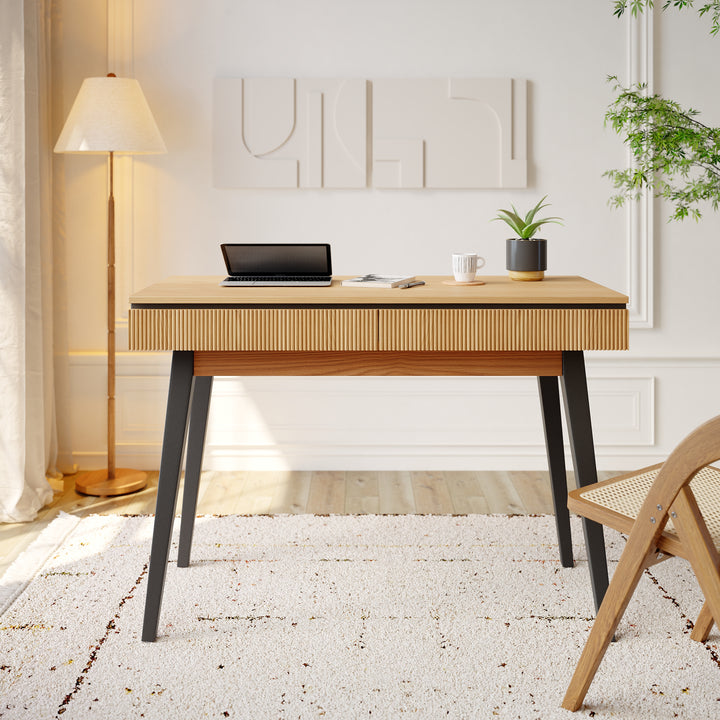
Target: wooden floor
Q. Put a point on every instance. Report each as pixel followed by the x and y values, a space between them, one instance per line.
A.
pixel 351 493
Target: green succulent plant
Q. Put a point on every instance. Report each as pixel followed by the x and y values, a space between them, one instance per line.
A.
pixel 526 227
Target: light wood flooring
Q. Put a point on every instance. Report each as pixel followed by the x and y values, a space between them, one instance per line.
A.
pixel 351 493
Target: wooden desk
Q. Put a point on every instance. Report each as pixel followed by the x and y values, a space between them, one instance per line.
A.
pixel 499 328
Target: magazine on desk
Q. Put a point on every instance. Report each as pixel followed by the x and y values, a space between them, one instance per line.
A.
pixel 379 281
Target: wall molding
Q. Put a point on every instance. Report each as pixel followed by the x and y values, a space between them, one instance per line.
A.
pixel 364 459
pixel 262 423
pixel 121 61
pixel 639 218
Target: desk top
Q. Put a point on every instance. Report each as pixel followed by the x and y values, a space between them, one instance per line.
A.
pixel 558 313
pixel 498 290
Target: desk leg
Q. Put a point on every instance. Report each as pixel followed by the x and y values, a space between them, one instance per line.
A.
pixel 577 413
pixel 199 406
pixel 181 381
pixel 552 424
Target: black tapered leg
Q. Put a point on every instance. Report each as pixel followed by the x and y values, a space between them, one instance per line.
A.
pixel 577 413
pixel 552 424
pixel 199 406
pixel 181 382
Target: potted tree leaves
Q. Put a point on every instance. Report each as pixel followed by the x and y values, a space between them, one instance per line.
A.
pixel 526 255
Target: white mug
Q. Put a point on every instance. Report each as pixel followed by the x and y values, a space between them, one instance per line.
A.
pixel 466 265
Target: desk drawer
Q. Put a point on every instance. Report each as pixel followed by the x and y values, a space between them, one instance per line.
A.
pixel 253 329
pixel 527 329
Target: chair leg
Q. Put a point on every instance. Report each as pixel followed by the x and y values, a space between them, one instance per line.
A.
pixel 702 554
pixel 703 625
pixel 624 581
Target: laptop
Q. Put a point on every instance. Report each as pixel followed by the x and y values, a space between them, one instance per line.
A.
pixel 263 264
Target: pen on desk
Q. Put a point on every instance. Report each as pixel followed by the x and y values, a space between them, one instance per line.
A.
pixel 412 284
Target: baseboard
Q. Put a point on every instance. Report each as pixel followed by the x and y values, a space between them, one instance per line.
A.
pixel 367 459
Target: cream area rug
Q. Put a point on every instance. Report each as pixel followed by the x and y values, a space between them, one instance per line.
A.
pixel 339 617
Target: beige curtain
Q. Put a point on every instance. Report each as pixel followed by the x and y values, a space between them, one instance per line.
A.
pixel 27 419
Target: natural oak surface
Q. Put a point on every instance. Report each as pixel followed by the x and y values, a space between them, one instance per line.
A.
pixel 497 290
pixel 560 313
pixel 298 364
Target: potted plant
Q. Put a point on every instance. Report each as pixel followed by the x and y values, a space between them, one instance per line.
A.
pixel 526 255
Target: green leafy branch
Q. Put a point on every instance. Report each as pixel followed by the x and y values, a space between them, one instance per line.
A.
pixel 674 154
pixel 637 6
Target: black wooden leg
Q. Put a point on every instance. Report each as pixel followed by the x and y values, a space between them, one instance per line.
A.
pixel 552 423
pixel 199 405
pixel 181 381
pixel 577 413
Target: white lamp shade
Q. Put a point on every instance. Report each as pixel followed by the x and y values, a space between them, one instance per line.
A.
pixel 110 114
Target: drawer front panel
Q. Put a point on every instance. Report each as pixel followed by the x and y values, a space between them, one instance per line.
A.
pixel 530 329
pixel 247 329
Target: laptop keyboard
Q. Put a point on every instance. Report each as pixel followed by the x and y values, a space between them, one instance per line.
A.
pixel 274 278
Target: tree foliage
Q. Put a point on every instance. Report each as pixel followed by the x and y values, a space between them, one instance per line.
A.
pixel 708 8
pixel 673 153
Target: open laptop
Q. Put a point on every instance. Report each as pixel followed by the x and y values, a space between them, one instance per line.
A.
pixel 277 264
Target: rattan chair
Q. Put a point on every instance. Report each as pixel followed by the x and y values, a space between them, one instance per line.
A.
pixel 671 509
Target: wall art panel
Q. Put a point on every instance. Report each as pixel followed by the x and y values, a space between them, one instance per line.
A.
pixel 290 133
pixel 313 133
pixel 472 133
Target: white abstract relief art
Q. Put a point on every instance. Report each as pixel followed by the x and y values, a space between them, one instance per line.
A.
pixel 437 133
pixel 288 133
pixel 449 133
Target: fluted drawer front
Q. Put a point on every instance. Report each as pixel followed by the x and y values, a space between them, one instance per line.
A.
pixel 253 329
pixel 531 329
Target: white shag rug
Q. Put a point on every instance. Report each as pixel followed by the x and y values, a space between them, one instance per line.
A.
pixel 339 617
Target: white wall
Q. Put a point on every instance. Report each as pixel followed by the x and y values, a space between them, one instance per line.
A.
pixel 171 221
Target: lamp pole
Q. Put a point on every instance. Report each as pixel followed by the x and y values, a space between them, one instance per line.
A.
pixel 111 327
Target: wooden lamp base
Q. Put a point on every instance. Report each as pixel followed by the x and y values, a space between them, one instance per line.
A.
pixel 96 482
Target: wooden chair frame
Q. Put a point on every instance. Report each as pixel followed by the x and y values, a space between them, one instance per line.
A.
pixel 670 496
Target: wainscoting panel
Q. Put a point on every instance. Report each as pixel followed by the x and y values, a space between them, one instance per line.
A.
pixel 623 410
pixel 374 423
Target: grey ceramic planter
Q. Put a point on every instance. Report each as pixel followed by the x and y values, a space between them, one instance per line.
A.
pixel 526 259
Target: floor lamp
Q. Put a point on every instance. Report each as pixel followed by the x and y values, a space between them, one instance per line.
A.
pixel 110 115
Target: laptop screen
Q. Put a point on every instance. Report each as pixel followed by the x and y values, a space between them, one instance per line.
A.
pixel 278 259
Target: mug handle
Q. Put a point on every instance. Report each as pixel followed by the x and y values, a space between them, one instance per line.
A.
pixel 480 262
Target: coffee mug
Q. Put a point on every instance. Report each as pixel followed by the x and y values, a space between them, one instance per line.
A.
pixel 466 265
